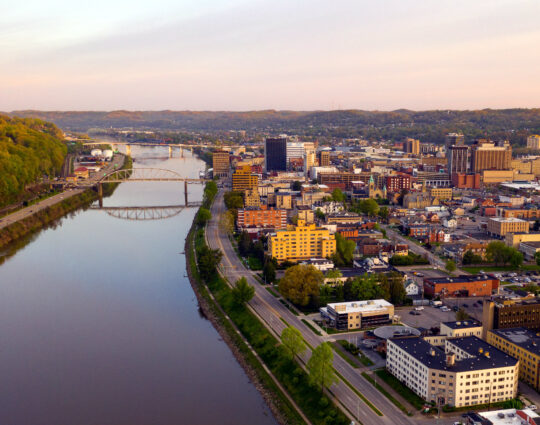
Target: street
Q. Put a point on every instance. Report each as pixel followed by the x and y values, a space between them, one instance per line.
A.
pixel 272 311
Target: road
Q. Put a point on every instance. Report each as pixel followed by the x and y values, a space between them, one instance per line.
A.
pixel 272 311
pixel 434 260
pixel 38 206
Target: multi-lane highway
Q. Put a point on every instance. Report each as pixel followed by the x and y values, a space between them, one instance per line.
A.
pixel 272 311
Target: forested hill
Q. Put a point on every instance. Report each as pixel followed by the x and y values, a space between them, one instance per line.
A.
pixel 428 126
pixel 29 148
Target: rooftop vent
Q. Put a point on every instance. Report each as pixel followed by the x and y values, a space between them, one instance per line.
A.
pixel 487 354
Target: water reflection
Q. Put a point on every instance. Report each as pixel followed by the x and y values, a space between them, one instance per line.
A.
pixel 98 324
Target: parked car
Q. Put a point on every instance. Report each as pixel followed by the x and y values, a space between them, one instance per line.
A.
pixel 419 308
pixel 455 308
pixel 465 305
pixel 532 407
pixel 414 313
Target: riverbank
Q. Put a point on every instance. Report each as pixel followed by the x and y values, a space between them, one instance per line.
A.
pixel 284 378
pixel 43 218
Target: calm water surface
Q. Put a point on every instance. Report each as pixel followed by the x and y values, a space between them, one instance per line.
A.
pixel 99 325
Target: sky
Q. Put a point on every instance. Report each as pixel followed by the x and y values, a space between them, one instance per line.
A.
pixel 278 54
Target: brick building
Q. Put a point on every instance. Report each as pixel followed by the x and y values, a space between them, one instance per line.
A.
pixel 262 217
pixel 464 285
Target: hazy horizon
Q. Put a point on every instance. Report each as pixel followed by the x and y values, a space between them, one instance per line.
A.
pixel 238 55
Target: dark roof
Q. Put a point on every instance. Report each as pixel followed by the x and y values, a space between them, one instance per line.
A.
pixel 524 338
pixel 464 324
pixel 434 357
pixel 461 278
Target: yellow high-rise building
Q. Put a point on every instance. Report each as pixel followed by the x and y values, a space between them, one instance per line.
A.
pixel 301 242
pixel 242 179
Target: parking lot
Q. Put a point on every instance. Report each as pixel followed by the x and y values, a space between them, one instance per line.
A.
pixel 428 318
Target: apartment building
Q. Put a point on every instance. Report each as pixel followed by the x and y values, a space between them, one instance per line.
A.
pixel 243 179
pixel 412 146
pixel 301 242
pixel 252 198
pixel 358 314
pixel 262 217
pixel 442 193
pixel 464 372
pixel 487 155
pixel 324 158
pixel 498 226
pixel 522 344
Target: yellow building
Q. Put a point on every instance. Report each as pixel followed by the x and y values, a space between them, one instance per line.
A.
pixel 301 242
pixel 252 198
pixel 441 192
pixel 533 142
pixel 522 344
pixel 499 226
pixel 514 239
pixel 242 179
pixel 283 200
pixel 412 146
pixel 497 176
pixel 221 163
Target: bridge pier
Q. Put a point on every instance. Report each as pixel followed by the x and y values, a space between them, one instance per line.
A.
pixel 128 150
pixel 181 151
pixel 170 152
pixel 100 194
pixel 185 193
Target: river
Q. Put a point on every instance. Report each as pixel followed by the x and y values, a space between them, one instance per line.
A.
pixel 99 324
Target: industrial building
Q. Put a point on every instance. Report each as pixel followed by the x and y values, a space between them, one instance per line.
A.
pixel 461 286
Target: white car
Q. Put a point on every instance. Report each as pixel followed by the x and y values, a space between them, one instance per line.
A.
pixel 531 407
pixel 419 308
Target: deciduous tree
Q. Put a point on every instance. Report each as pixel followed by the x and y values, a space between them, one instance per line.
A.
pixel 320 366
pixel 242 291
pixel 301 283
pixel 292 340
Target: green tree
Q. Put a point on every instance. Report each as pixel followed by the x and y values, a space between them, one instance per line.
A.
pixel 537 258
pixel 337 195
pixel 334 275
pixel 369 207
pixel 450 266
pixel 296 186
pixel 269 271
pixel 462 314
pixel 233 200
pixel 384 213
pixel 292 340
pixel 396 290
pixel 319 214
pixel 344 251
pixel 320 366
pixel 365 287
pixel 516 259
pixel 242 291
pixel 207 261
pixel 471 258
pixel 244 244
pixel 203 216
pixel 301 283
pixel 226 221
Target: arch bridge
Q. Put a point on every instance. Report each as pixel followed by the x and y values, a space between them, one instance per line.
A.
pixel 145 175
pixel 146 213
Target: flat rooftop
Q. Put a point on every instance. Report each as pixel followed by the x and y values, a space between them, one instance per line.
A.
pixel 508 220
pixel 509 416
pixel 360 306
pixel 524 338
pixel 461 279
pixel 463 324
pixel 435 357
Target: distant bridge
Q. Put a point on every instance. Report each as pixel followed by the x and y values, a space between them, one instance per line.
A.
pixel 182 146
pixel 146 213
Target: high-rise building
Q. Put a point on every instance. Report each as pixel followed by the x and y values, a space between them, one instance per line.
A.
pixel 533 142
pixel 487 155
pixel 458 159
pixel 454 139
pixel 324 158
pixel 412 146
pixel 275 154
pixel 502 313
pixel 220 163
pixel 309 156
pixel 301 242
pixel 243 179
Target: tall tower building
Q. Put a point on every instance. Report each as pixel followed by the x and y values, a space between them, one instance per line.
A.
pixel 457 159
pixel 324 158
pixel 533 142
pixel 309 156
pixel 220 163
pixel 454 139
pixel 412 146
pixel 275 154
pixel 488 155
